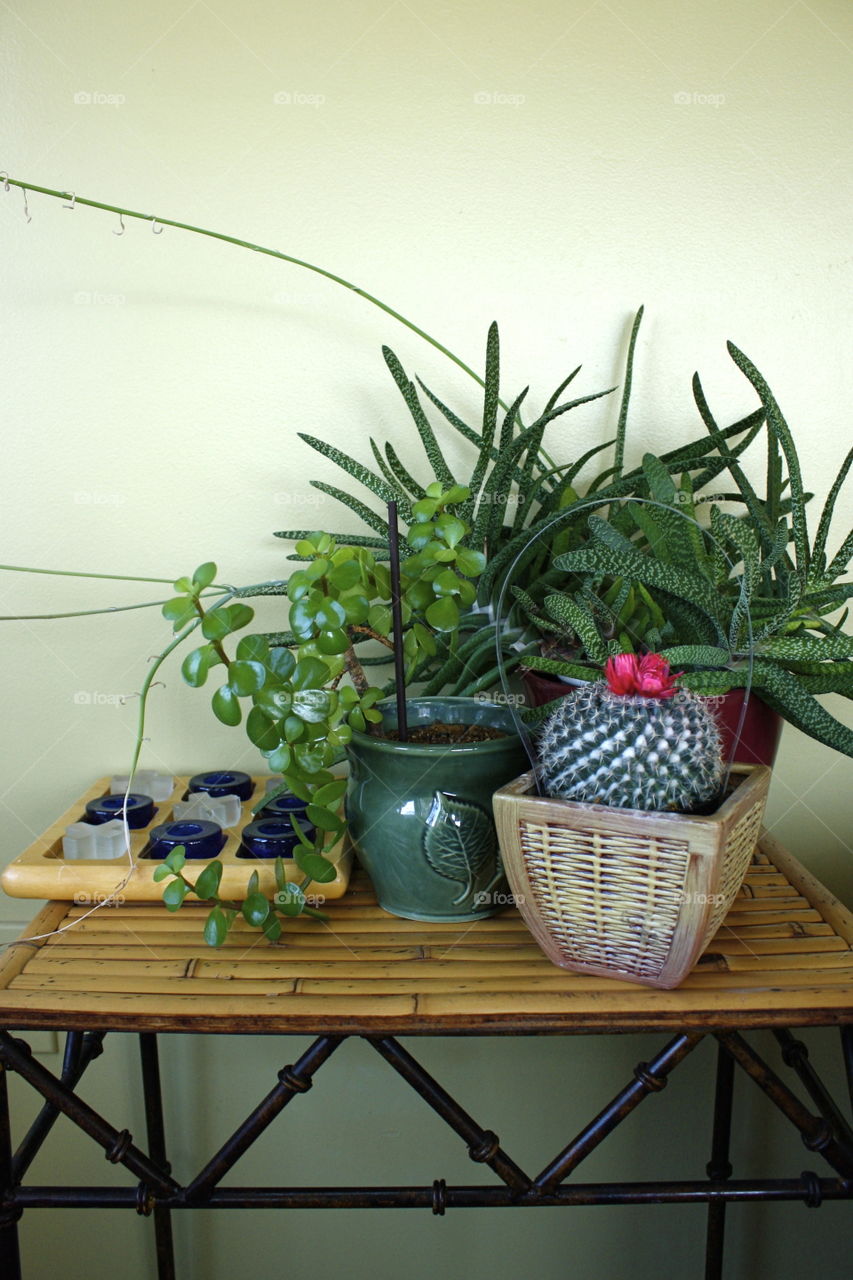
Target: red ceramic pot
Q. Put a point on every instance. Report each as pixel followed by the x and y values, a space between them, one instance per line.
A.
pixel 759 739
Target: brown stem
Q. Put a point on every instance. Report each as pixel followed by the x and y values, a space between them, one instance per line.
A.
pixel 359 679
pixel 373 635
pixel 217 644
pixel 355 669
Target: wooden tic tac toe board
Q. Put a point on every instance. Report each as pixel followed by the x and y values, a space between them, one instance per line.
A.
pixel 42 871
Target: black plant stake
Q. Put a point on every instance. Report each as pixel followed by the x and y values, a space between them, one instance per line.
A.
pixel 397 622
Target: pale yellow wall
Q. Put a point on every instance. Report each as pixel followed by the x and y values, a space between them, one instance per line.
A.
pixel 550 165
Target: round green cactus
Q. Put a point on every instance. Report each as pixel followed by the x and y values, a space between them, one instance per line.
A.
pixel 658 751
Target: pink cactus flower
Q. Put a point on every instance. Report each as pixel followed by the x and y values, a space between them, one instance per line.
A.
pixel 654 678
pixel 621 673
pixel 649 676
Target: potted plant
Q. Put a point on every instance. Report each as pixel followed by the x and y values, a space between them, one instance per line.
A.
pixel 627 863
pixel 750 601
pixel 419 804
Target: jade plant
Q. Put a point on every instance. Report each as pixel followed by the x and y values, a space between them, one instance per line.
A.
pixel 300 709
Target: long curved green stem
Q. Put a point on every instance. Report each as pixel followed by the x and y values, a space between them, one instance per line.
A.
pixel 78 613
pixel 155 667
pixel 146 689
pixel 157 221
pixel 74 573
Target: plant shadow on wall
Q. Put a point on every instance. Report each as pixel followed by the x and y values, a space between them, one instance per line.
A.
pixel 616 579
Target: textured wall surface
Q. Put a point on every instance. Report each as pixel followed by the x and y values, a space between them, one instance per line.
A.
pixel 551 166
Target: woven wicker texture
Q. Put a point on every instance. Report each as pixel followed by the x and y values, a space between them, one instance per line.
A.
pixel 606 901
pixel 736 858
pixel 630 894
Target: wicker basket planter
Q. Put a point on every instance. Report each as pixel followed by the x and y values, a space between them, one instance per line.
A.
pixel 624 893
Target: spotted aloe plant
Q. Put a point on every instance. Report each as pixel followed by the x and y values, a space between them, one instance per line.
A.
pixel 751 599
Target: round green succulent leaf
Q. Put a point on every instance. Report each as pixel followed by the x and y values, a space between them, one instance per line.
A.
pixel 215 625
pixel 470 562
pixel 239 616
pixel 309 673
pixel 262 731
pixel 331 793
pixel 207 883
pixel 356 607
pixel 253 649
pixel 316 569
pixel 379 618
pixel 314 865
pixel 456 493
pixel 312 705
pixel 204 575
pixel 197 664
pixel 226 706
pixel 298 584
pixel 450 529
pixel 443 614
pixel 447 583
pixel 246 678
pixel 282 662
pixel 424 510
pixel 290 900
pixel 174 894
pixel 293 728
pixel 339 736
pixel 274 700
pixel 344 576
pixel 179 611
pixel 255 909
pixel 323 818
pixel 330 615
pixel 272 928
pixel 418 536
pixel 279 760
pixel 215 928
pixel 333 641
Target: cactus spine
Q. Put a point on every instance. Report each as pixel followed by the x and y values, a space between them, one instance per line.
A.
pixel 631 751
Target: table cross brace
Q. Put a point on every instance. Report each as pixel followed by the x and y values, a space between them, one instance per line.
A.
pixel 158 1192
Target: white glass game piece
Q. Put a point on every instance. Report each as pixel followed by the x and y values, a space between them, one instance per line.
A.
pixel 225 811
pixel 84 840
pixel 146 782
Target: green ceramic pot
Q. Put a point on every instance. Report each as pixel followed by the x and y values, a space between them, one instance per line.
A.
pixel 420 816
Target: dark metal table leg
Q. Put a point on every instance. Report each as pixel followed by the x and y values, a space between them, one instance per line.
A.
pixel 847 1050
pixel 81 1047
pixel 157 1149
pixel 718 1168
pixel 10 1258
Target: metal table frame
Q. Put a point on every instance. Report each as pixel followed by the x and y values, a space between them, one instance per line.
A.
pixel 826 1132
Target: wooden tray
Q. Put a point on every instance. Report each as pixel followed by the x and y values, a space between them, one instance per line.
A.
pixel 42 871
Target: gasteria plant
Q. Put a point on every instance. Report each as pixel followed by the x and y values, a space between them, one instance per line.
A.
pixel 515 492
pixel 751 600
pixel 301 713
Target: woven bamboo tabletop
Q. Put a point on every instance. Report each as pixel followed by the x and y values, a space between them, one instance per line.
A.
pixel 784 957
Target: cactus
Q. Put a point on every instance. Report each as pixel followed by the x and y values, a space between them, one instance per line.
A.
pixel 634 742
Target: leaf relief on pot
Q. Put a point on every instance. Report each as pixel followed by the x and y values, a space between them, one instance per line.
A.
pixel 460 844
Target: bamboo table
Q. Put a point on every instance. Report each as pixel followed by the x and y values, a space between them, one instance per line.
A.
pixel 783 958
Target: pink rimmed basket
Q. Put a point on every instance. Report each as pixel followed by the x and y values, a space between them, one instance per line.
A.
pixel 624 893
